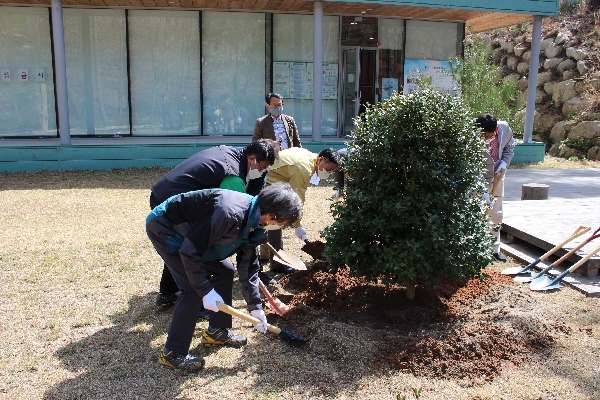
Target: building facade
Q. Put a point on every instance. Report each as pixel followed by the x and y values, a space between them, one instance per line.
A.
pixel 155 81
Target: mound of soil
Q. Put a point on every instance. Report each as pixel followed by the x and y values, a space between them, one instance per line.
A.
pixel 457 330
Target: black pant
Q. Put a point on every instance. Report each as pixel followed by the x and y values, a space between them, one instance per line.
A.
pixel 167 286
pixel 189 303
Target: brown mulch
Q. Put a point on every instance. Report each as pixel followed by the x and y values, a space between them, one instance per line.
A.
pixel 469 329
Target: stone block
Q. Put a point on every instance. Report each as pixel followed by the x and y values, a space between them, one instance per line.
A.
pixel 561 38
pixel 512 62
pixel 507 46
pixel 587 130
pixel 520 48
pixel 553 50
pixel 594 153
pixel 576 54
pixel 545 43
pixel 552 62
pixel 573 106
pixel 549 87
pixel 582 68
pixel 534 191
pixel 566 65
pixel 523 67
pixel 497 57
pixel 563 91
pixel 569 75
pixel 544 77
pixel 560 130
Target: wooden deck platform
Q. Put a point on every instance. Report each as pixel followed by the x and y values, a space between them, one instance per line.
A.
pixel 532 227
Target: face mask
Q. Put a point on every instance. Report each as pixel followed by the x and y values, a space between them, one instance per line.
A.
pixel 253 174
pixel 271 227
pixel 323 174
pixel 276 110
pixel 488 141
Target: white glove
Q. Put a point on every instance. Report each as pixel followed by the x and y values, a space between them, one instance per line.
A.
pixel 301 233
pixel 210 301
pixel 262 326
pixel 501 166
pixel 486 197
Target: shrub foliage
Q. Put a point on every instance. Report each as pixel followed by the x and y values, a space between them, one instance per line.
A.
pixel 411 211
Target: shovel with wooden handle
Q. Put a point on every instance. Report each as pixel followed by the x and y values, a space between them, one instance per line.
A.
pixel 274 303
pixel 497 179
pixel 547 283
pixel 519 270
pixel 532 275
pixel 248 318
pixel 283 257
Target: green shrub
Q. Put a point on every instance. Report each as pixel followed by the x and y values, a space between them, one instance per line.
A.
pixel 481 87
pixel 411 211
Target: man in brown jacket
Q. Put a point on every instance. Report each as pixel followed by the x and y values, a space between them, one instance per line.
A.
pixel 276 125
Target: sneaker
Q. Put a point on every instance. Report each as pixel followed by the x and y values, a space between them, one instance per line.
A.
pixel 166 300
pixel 222 337
pixel 203 315
pixel 266 279
pixel 187 363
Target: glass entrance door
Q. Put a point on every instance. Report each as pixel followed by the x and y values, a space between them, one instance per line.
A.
pixel 359 84
pixel 351 101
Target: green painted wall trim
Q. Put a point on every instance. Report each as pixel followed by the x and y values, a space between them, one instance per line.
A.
pixel 533 7
pixel 102 157
pixel 529 152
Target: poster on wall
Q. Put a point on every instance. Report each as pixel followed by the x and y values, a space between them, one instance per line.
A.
pixel 330 81
pixel 294 80
pixel 439 71
pixel 281 79
pixel 388 87
pixel 298 81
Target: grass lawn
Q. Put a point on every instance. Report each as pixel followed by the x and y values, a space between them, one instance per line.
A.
pixel 78 320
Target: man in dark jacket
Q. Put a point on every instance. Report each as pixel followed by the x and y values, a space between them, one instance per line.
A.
pixel 195 233
pixel 207 170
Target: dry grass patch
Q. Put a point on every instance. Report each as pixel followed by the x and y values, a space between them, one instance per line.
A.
pixel 78 321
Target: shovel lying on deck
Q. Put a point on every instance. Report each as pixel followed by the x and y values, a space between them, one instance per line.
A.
pixel 547 283
pixel 274 303
pixel 532 275
pixel 283 257
pixel 519 270
pixel 248 318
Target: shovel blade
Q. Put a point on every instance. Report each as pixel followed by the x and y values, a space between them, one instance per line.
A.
pixel 544 283
pixel 278 306
pixel 514 270
pixel 523 278
pixel 289 336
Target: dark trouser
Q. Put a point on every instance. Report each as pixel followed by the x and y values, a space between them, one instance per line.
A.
pixel 189 303
pixel 167 286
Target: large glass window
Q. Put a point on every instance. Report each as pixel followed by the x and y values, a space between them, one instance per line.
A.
pixel 391 37
pixel 27 107
pixel 233 71
pixel 426 40
pixel 293 37
pixel 96 52
pixel 164 51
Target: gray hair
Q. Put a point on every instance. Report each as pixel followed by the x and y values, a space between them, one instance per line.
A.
pixel 280 200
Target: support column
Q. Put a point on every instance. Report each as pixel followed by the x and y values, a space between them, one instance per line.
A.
pixel 317 72
pixel 534 64
pixel 60 71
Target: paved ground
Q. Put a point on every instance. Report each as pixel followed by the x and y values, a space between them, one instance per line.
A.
pixel 539 225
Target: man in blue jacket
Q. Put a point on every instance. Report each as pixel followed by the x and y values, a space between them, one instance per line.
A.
pixel 195 233
pixel 207 170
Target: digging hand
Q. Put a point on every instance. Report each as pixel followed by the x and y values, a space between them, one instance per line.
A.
pixel 486 197
pixel 501 166
pixel 301 233
pixel 210 301
pixel 262 326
